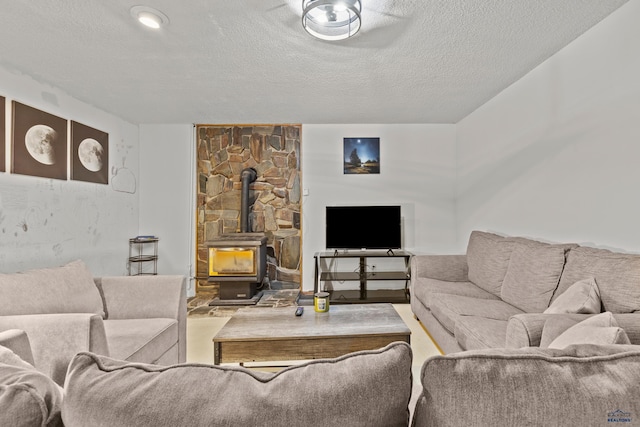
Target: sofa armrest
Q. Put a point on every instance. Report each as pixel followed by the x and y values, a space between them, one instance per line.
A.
pixel 147 297
pixel 17 341
pixel 525 330
pixel 451 268
pixel 56 338
pixel 144 297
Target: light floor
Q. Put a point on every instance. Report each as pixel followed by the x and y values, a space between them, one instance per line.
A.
pixel 201 330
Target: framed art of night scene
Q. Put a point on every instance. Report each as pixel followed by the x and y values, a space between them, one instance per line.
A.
pixel 361 155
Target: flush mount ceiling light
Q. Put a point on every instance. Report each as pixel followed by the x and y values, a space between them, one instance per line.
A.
pixel 331 19
pixel 149 16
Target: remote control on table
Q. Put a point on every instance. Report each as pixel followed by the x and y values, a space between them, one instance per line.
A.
pixel 299 311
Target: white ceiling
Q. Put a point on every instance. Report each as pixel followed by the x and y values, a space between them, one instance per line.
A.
pixel 250 61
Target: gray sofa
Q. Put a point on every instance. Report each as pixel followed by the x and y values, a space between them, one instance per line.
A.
pixel 65 310
pixel 504 289
pixel 366 388
pixel 580 385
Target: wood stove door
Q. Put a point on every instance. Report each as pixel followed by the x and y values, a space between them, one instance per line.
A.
pixel 232 262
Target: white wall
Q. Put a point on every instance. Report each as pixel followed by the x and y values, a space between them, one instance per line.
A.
pixel 48 222
pixel 555 156
pixel 417 171
pixel 167 204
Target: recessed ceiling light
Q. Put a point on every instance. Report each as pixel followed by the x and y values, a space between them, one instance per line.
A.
pixel 149 16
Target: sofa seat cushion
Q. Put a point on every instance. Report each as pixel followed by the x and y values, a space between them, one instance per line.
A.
pixel 66 289
pixel 579 385
pixel 533 274
pixel 140 340
pixel 367 388
pixel 488 258
pixel 616 274
pixel 27 397
pixel 425 287
pixel 447 309
pixel 476 333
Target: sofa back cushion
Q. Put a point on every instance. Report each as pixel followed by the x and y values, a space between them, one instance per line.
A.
pixel 617 276
pixel 488 258
pixel 367 388
pixel 579 385
pixel 66 289
pixel 533 274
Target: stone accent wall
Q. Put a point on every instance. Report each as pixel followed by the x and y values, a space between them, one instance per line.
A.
pixel 223 151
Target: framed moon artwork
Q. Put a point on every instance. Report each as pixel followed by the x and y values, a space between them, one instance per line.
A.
pixel 39 143
pixel 89 154
pixel 3 146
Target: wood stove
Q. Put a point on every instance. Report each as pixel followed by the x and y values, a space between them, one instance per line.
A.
pixel 238 262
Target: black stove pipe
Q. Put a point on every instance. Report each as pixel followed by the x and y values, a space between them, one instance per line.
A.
pixel 247 176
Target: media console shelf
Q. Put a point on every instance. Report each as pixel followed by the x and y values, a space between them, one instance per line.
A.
pixel 362 275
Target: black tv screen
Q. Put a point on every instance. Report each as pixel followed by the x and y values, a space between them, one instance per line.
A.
pixel 363 227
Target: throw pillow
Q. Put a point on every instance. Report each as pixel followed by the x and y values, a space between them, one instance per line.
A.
pixel 599 329
pixel 582 297
pixel 533 274
pixel 27 397
pixel 488 257
pixel 367 388
pixel 66 289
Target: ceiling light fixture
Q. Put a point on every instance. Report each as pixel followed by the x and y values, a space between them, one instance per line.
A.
pixel 331 19
pixel 149 16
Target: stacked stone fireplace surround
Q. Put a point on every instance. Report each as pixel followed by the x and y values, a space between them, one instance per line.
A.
pixel 273 151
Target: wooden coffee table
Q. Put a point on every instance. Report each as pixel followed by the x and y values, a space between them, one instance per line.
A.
pixel 255 334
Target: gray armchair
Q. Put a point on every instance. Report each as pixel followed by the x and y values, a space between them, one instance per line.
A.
pixel 64 311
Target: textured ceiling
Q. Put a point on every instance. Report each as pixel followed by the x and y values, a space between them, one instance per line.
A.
pixel 250 61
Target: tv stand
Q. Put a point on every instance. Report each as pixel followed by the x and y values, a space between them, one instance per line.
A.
pixel 362 275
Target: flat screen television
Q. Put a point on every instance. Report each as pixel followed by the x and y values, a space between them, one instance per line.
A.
pixel 363 227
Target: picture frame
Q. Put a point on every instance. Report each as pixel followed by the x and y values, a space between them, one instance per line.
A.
pixel 361 156
pixel 89 154
pixel 39 143
pixel 3 137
